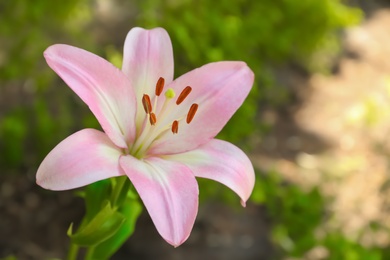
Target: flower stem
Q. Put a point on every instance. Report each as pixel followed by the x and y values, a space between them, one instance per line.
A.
pixel 73 252
pixel 117 196
pixel 119 185
pixel 89 254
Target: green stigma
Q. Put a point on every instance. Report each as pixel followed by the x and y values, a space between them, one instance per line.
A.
pixel 170 93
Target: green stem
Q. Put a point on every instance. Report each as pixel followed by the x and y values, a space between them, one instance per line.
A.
pixel 120 188
pixel 73 252
pixel 117 190
pixel 89 254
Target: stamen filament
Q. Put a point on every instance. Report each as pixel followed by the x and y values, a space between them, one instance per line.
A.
pixel 149 133
pixel 169 94
pixel 186 91
pixel 191 113
pixel 156 135
pixel 163 126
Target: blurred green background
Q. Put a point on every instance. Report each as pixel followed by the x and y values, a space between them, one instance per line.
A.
pixel 37 110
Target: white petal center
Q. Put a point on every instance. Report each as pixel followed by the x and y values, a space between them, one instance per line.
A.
pixel 163 116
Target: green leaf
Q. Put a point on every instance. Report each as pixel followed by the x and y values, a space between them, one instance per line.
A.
pixel 103 226
pixel 131 209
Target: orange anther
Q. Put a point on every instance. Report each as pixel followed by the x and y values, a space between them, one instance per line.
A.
pixel 186 91
pixel 175 127
pixel 147 104
pixel 191 113
pixel 160 86
pixel 152 119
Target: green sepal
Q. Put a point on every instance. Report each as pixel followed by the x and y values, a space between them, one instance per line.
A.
pixel 103 226
pixel 95 194
pixel 131 209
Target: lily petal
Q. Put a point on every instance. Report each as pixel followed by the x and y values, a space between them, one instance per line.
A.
pixel 103 87
pixel 147 56
pixel 219 89
pixel 223 162
pixel 85 157
pixel 170 194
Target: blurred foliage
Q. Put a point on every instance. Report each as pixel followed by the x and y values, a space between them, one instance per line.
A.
pixel 29 125
pixel 295 214
pixel 260 33
pixel 201 32
pixel 265 34
pixel 298 218
pixel 28 28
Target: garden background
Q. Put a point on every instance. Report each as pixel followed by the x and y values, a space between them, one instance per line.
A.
pixel 315 125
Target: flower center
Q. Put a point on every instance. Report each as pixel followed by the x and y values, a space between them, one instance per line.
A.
pixel 156 123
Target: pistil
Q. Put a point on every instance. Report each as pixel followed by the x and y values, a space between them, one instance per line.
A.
pixel 158 125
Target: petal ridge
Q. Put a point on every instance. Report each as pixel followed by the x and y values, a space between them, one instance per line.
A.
pixel 219 89
pixel 147 56
pixel 102 86
pixel 82 158
pixel 223 162
pixel 170 194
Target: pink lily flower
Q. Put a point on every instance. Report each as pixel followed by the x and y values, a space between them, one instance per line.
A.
pixel 157 131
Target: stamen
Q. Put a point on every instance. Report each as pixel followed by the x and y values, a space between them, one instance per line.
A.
pixel 186 91
pixel 191 113
pixel 160 86
pixel 175 127
pixel 147 104
pixel 152 119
